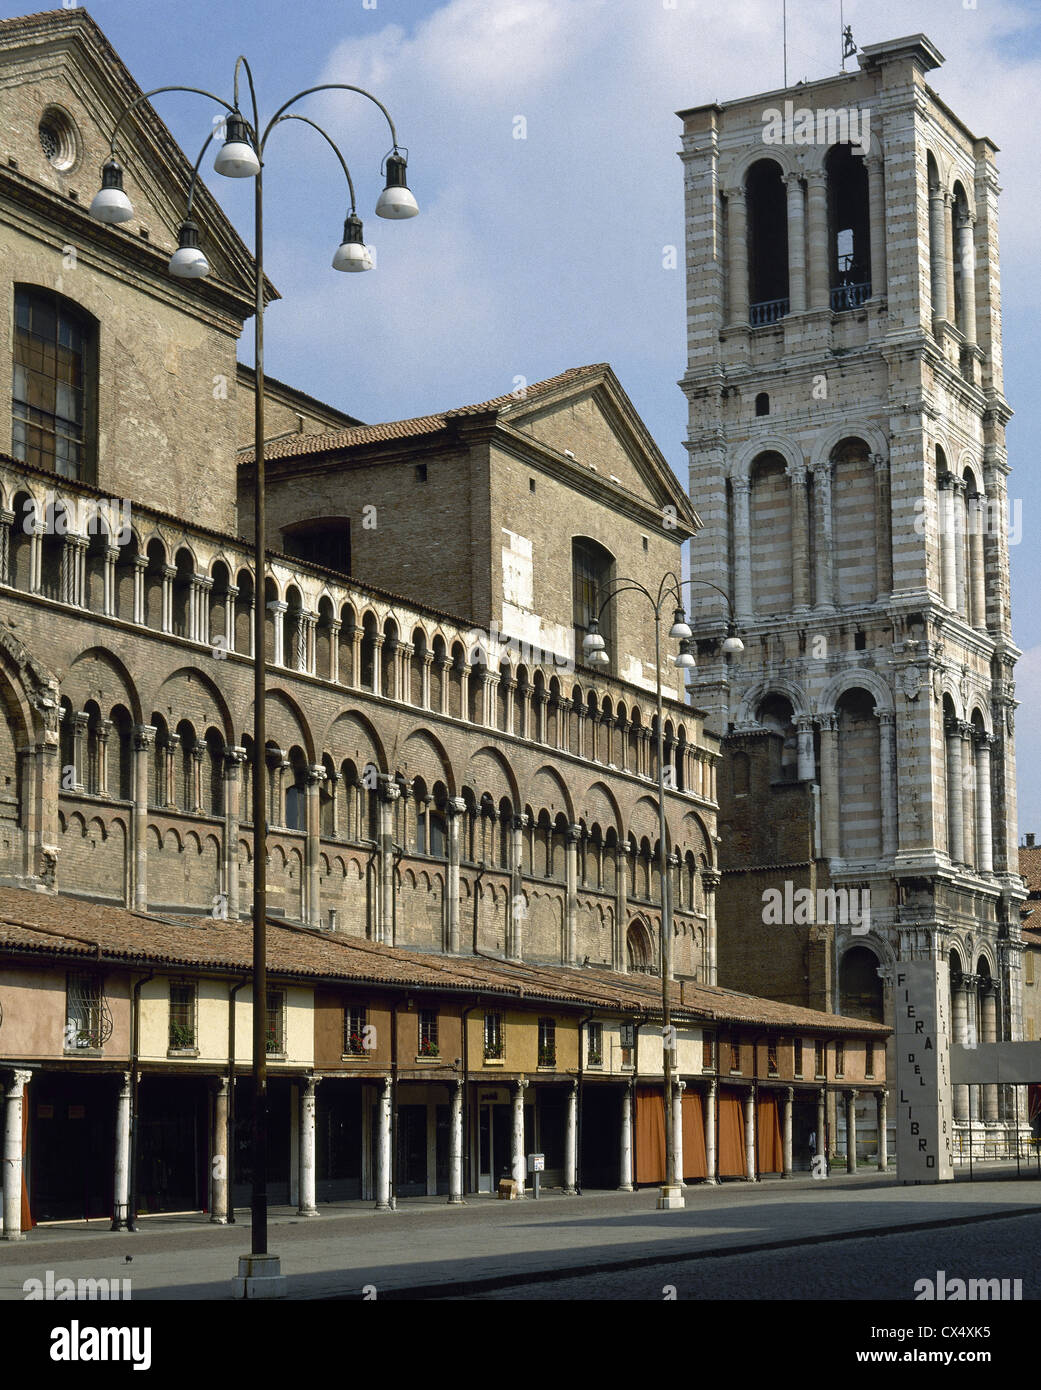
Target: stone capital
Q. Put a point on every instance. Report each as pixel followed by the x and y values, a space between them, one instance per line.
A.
pixel 144 737
pixel 316 772
pixel 455 806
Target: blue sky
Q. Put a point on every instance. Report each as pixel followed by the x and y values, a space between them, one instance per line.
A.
pixel 546 252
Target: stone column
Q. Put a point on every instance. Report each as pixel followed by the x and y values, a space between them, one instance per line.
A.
pixel 742 549
pixel 140 567
pixel 886 755
pixel 464 691
pixel 571 1142
pixel 796 243
pixel 955 837
pixel 822 1121
pixel 202 587
pixel 623 728
pixel 334 651
pixel 967 261
pixel 968 809
pixel 454 809
pixel 307 1148
pixel 517 1138
pixel 621 903
pixel 710 1133
pixel 881 1123
pixel 105 727
pixel 823 532
pixel 356 638
pixel 6 522
pixel 571 888
pixel 144 744
pixel 786 1132
pixel 234 760
pixel 989 1029
pixel 678 1088
pixel 977 561
pixel 231 594
pixel 516 908
pixel 937 251
pixel 383 1161
pixel 121 1185
pixel 948 251
pixel 806 767
pixel 958 539
pixel 750 1135
pixel 710 881
pixel 877 225
pixel 737 255
pixel 883 528
pixel 984 828
pixel 219 1178
pixel 389 792
pixel 455 1148
pixel 542 700
pixel 830 841
pixel 948 570
pixel 109 581
pixel 312 846
pixel 168 574
pixel 80 720
pixel 625 1177
pixel 198 756
pixel 800 538
pixel 960 1020
pixel 12 1155
pixel 820 271
pixel 851 1131
pixel 424 679
pixel 278 610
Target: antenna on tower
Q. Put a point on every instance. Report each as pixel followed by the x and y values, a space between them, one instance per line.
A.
pixel 784 37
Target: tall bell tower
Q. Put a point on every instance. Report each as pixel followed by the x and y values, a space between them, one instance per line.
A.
pixel 847 456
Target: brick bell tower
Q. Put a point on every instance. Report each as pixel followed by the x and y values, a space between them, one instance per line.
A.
pixel 847 456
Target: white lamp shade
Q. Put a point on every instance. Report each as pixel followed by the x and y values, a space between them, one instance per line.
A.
pixel 599 657
pixel 111 205
pixel 593 642
pixel 188 263
pixel 396 203
pixel 684 661
pixel 352 255
pixel 733 645
pixel 236 160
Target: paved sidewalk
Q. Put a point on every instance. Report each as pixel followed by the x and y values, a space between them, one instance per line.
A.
pixel 427 1246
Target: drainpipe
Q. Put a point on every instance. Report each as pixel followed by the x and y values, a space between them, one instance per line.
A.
pixel 135 1038
pixel 230 1141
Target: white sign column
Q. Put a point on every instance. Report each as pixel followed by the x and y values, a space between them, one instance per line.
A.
pixel 925 1121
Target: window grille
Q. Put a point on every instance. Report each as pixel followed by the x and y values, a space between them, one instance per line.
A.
pixel 354 1024
pixel 182 1017
pixel 735 1052
pixel 708 1051
pixel 52 369
pixel 275 1035
pixel 818 1059
pixel 428 1043
pixel 547 1042
pixel 595 1051
pixel 798 1057
pixel 771 1059
pixel 840 1059
pixel 494 1041
pixel 869 1060
pixel 88 1021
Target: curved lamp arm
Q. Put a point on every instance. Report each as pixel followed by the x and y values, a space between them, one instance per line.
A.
pixel 292 116
pixel 328 87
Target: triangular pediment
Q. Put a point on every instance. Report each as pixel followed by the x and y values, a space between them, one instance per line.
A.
pixel 590 417
pixel 58 68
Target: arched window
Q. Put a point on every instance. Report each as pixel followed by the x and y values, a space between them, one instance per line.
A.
pixel 860 988
pixel 767 205
pixel 54 384
pixel 849 247
pixel 762 403
pixel 591 569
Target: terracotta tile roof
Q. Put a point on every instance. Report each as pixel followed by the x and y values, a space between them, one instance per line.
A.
pixel 66 928
pixel 1030 868
pixel 418 425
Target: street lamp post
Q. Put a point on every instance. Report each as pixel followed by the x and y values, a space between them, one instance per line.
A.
pixel 242 156
pixel 670 1194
